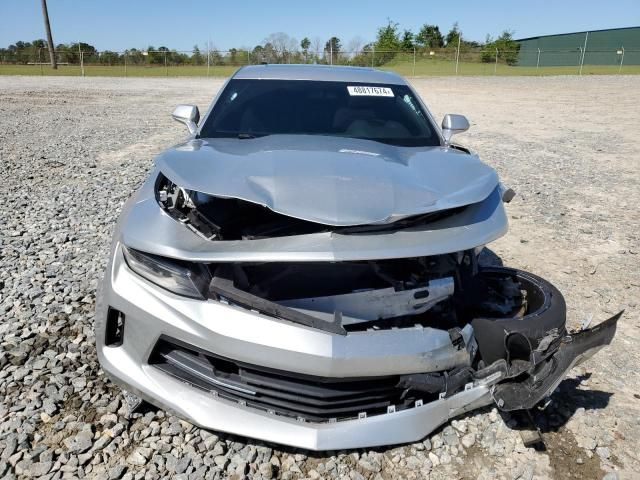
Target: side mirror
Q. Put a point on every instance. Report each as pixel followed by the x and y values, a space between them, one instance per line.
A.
pixel 452 124
pixel 189 115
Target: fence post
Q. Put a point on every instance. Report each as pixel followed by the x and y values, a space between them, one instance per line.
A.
pixel 82 63
pixel 125 63
pixel 414 61
pixel 373 54
pixel 579 55
pixel 495 67
pixel 248 58
pixel 538 62
pixel 330 52
pixel 458 53
pixel 621 60
pixel 584 50
pixel 42 72
pixel 166 69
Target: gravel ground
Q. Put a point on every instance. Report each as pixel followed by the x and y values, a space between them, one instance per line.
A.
pixel 72 150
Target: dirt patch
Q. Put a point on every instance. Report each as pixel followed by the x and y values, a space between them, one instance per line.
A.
pixel 568 460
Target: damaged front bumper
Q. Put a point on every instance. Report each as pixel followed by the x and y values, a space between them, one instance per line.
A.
pixel 227 365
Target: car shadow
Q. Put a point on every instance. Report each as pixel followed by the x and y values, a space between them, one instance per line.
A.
pixel 566 400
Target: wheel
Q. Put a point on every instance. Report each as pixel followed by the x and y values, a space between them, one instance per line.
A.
pixel 517 331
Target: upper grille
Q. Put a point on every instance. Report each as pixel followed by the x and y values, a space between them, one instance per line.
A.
pixel 311 398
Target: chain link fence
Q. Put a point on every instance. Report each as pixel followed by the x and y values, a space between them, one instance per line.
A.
pixel 414 62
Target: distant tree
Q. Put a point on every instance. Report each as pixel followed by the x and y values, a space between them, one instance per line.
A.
pixel 332 49
pixel 257 54
pixel 304 45
pixel 264 53
pixel 86 48
pixel 24 52
pixel 109 58
pixel 196 56
pixel 282 44
pixel 407 40
pixel 387 42
pixel 452 37
pixel 178 58
pixel 429 36
pixel 506 46
pixel 316 45
pixel 355 45
pixel 388 37
pixel 233 56
pixel 70 52
pixel 89 52
pixel 134 56
pixel 214 56
pixel 156 56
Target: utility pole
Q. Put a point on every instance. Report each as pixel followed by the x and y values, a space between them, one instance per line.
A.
pixel 81 54
pixel 458 51
pixel 414 61
pixel 47 27
pixel 584 50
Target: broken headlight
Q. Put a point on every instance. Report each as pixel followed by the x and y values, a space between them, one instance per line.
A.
pixel 180 203
pixel 179 277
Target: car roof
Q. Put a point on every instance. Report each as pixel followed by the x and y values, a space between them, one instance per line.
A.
pixel 327 73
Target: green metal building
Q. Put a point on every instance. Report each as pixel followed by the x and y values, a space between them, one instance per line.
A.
pixel 599 47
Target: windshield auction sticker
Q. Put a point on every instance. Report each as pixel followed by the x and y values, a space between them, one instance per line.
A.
pixel 370 91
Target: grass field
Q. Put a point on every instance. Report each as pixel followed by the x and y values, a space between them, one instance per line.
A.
pixel 423 67
pixel 437 67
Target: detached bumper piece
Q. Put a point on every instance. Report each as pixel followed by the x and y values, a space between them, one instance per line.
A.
pixel 525 388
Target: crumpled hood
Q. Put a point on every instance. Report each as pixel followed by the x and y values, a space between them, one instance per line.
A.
pixel 330 180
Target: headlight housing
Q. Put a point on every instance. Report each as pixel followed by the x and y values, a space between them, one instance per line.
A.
pixel 179 277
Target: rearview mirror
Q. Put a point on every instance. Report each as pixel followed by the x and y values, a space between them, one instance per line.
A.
pixel 452 124
pixel 189 115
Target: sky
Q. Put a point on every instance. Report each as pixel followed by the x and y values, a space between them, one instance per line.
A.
pixel 181 24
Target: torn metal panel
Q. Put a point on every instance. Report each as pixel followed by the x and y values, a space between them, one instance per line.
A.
pixel 375 304
pixel 222 287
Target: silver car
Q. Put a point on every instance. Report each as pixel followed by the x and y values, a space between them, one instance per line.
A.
pixel 303 269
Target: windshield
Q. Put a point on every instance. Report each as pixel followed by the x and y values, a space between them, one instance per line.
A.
pixel 384 113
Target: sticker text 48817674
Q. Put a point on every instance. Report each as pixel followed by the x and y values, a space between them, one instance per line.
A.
pixel 370 91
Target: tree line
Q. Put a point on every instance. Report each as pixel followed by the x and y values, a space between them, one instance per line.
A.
pixel 281 48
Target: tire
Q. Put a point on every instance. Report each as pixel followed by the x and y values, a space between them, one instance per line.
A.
pixel 547 311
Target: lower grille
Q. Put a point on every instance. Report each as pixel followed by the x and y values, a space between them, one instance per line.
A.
pixel 310 398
